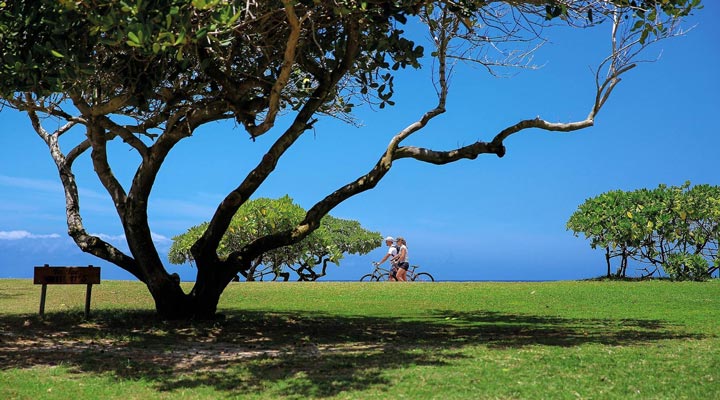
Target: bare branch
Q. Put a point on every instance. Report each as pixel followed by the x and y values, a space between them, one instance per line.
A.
pixel 110 106
pixel 88 112
pixel 444 157
pixel 627 45
pixel 282 80
pixel 87 243
pixel 98 141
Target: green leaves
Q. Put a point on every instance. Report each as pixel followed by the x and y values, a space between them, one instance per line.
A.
pixel 135 40
pixel 557 10
pixel 140 47
pixel 687 266
pixel 648 15
pixel 669 227
pixel 261 217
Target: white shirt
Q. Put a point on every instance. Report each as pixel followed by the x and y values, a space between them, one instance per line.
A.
pixel 407 255
pixel 392 252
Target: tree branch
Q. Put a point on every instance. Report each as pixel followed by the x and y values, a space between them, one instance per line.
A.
pixel 207 245
pixel 89 112
pixel 363 183
pixel 111 106
pixel 87 243
pixel 283 77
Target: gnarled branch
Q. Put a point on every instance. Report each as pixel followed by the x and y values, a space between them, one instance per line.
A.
pixel 283 77
pixel 87 243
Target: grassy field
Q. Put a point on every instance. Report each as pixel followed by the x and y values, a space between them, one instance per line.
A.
pixel 549 340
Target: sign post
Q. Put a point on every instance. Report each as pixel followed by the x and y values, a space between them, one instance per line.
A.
pixel 47 275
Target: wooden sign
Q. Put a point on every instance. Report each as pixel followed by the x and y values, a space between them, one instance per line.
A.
pixel 47 275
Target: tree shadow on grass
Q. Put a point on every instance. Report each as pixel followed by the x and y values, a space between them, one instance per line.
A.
pixel 296 354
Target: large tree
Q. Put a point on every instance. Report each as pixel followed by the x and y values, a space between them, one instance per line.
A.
pixel 148 74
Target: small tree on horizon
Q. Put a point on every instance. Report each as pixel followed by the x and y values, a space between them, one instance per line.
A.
pixel 147 74
pixel 334 238
pixel 673 230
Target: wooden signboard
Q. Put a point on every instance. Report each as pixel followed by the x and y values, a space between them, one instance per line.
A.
pixel 47 275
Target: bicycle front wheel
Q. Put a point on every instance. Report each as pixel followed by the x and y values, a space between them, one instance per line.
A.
pixel 367 278
pixel 423 277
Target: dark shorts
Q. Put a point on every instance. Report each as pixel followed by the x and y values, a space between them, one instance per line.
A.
pixel 403 265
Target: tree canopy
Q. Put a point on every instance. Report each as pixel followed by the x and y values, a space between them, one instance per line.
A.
pixel 259 217
pixel 147 74
pixel 675 229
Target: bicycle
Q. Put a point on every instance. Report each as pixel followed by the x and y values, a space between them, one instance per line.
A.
pixel 414 276
pixel 381 274
pixel 378 273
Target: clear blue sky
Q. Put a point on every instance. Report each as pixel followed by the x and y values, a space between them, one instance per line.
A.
pixel 485 219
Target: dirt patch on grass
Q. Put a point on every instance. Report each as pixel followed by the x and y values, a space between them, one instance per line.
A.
pixel 24 352
pixel 143 340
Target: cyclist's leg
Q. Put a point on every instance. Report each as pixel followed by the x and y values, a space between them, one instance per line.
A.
pixel 402 272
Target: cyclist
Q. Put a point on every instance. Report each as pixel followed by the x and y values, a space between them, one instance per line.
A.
pixel 391 254
pixel 402 261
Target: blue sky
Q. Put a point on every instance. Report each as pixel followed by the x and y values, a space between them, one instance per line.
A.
pixel 483 219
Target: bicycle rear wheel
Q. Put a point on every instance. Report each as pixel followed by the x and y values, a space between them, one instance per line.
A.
pixel 423 277
pixel 383 277
pixel 367 278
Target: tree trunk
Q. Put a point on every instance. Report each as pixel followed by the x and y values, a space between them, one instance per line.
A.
pixel 212 278
pixel 621 271
pixel 170 300
pixel 607 260
pixel 173 304
pixel 624 264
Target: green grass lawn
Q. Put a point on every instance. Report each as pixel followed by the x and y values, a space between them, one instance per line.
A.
pixel 549 340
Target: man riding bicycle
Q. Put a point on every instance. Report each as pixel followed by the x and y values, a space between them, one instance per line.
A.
pixel 391 253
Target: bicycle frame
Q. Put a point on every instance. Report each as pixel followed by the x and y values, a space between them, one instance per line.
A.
pixel 411 271
pixel 411 274
pixel 376 275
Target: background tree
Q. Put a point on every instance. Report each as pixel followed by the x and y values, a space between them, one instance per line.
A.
pixel 693 233
pixel 603 220
pixel 147 75
pixel 333 239
pixel 673 229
